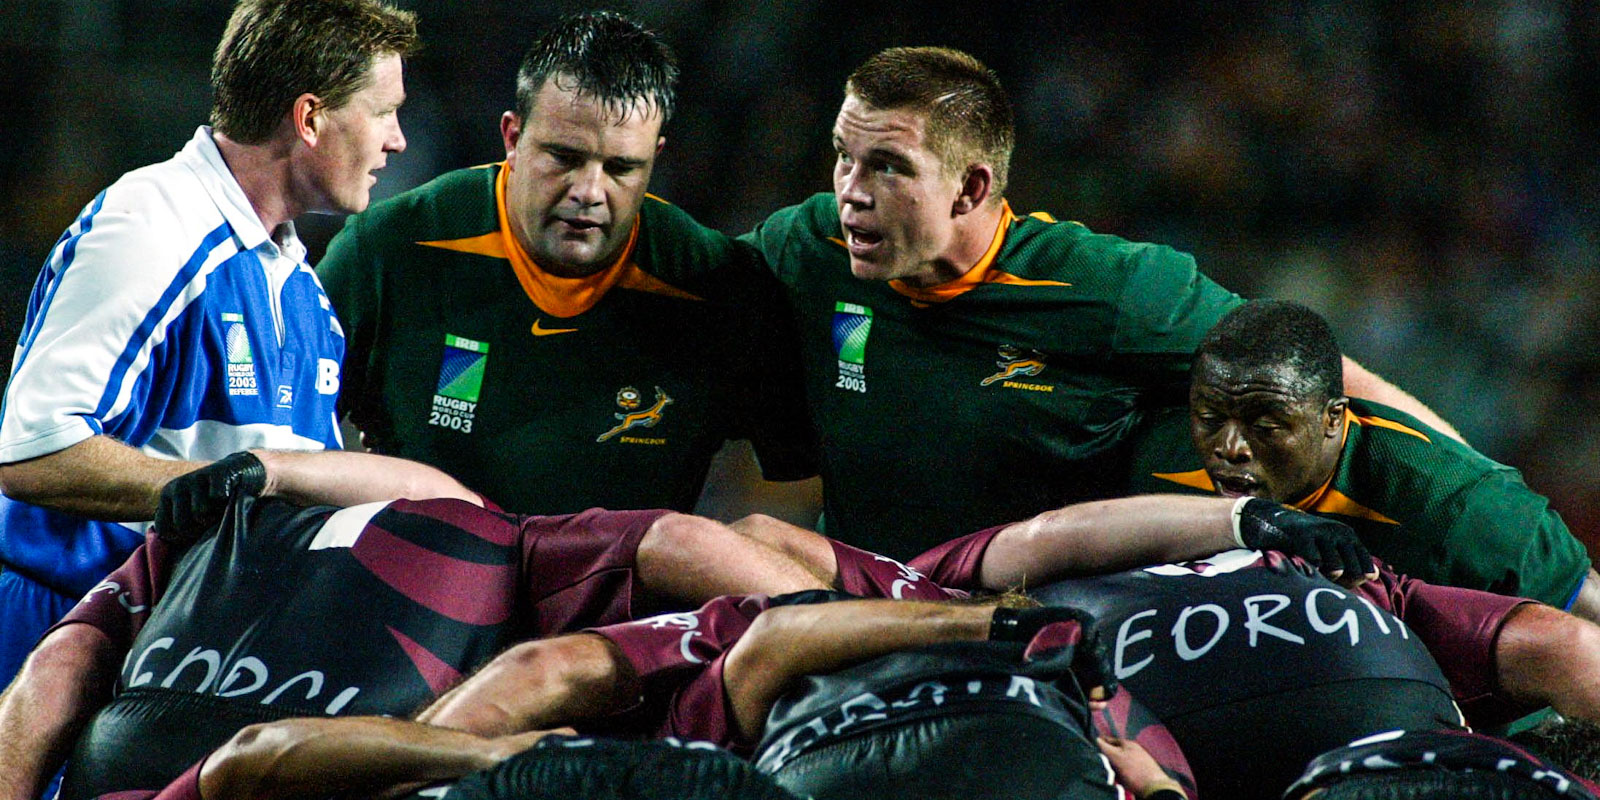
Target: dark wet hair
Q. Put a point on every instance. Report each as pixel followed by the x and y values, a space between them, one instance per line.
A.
pixel 606 56
pixel 1272 333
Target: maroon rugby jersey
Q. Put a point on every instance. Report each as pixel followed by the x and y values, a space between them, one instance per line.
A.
pixel 373 609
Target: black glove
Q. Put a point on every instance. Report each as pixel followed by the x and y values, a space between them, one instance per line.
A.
pixel 1020 624
pixel 194 502
pixel 1091 662
pixel 1326 544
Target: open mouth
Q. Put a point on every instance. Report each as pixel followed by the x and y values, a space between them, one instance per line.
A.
pixel 861 241
pixel 1236 485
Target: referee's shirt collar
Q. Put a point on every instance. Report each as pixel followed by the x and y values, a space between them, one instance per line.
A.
pixel 206 160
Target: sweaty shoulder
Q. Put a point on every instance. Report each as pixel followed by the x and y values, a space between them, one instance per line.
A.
pixel 1159 299
pixel 1040 247
pixel 1391 441
pixel 797 235
pixel 454 205
pixel 710 265
pixel 676 248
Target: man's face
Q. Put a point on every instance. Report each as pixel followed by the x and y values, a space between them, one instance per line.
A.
pixel 355 140
pixel 1259 434
pixel 578 172
pixel 895 198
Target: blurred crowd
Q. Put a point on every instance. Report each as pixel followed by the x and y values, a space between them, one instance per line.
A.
pixel 1421 173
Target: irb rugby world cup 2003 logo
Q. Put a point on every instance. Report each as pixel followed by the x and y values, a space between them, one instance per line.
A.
pixel 455 399
pixel 851 325
pixel 241 361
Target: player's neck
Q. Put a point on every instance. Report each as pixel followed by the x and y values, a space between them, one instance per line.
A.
pixel 974 232
pixel 262 171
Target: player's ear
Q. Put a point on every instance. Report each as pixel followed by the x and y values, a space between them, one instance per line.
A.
pixel 976 186
pixel 661 141
pixel 510 132
pixel 306 117
pixel 1333 416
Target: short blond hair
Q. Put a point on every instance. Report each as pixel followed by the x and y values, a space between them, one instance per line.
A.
pixel 969 115
pixel 275 50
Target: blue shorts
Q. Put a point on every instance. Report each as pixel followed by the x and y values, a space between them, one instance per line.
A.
pixel 27 609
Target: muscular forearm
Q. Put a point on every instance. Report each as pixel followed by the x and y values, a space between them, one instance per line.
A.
pixel 343 478
pixel 1105 536
pixel 99 478
pixel 303 757
pixel 1367 385
pixel 64 681
pixel 788 642
pixel 1545 656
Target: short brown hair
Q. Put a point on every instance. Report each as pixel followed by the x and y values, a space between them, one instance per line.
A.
pixel 969 115
pixel 275 50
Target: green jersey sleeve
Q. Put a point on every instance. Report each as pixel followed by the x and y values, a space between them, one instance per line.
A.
pixel 1507 538
pixel 1167 305
pixel 786 239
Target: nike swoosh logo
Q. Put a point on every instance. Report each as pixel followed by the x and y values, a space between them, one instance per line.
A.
pixel 538 331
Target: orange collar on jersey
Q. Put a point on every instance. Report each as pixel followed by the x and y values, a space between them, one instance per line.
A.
pixel 553 294
pixel 982 272
pixel 1328 500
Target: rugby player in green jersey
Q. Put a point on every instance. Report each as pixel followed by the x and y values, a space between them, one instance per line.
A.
pixel 967 365
pixel 1269 418
pixel 547 332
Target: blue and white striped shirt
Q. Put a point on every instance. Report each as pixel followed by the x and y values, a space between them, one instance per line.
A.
pixel 166 317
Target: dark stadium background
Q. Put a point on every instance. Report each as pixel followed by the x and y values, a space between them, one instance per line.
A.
pixel 1422 173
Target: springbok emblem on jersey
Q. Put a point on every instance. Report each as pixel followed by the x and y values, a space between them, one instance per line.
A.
pixel 638 419
pixel 1015 363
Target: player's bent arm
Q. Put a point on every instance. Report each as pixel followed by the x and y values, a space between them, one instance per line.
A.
pixel 694 559
pixel 1129 532
pixel 539 685
pixel 786 643
pixel 1550 657
pixel 65 680
pixel 99 478
pixel 1367 385
pixel 313 756
pixel 347 478
pixel 1107 536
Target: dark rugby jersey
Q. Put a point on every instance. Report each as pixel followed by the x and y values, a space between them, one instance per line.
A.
pixel 1458 626
pixel 1243 642
pixel 552 395
pixel 184 787
pixel 373 609
pixel 1032 369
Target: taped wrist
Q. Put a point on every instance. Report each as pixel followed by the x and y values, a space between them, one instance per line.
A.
pixel 1238 515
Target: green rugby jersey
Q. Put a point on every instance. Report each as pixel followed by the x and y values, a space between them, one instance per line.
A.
pixel 991 398
pixel 552 395
pixel 1432 507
